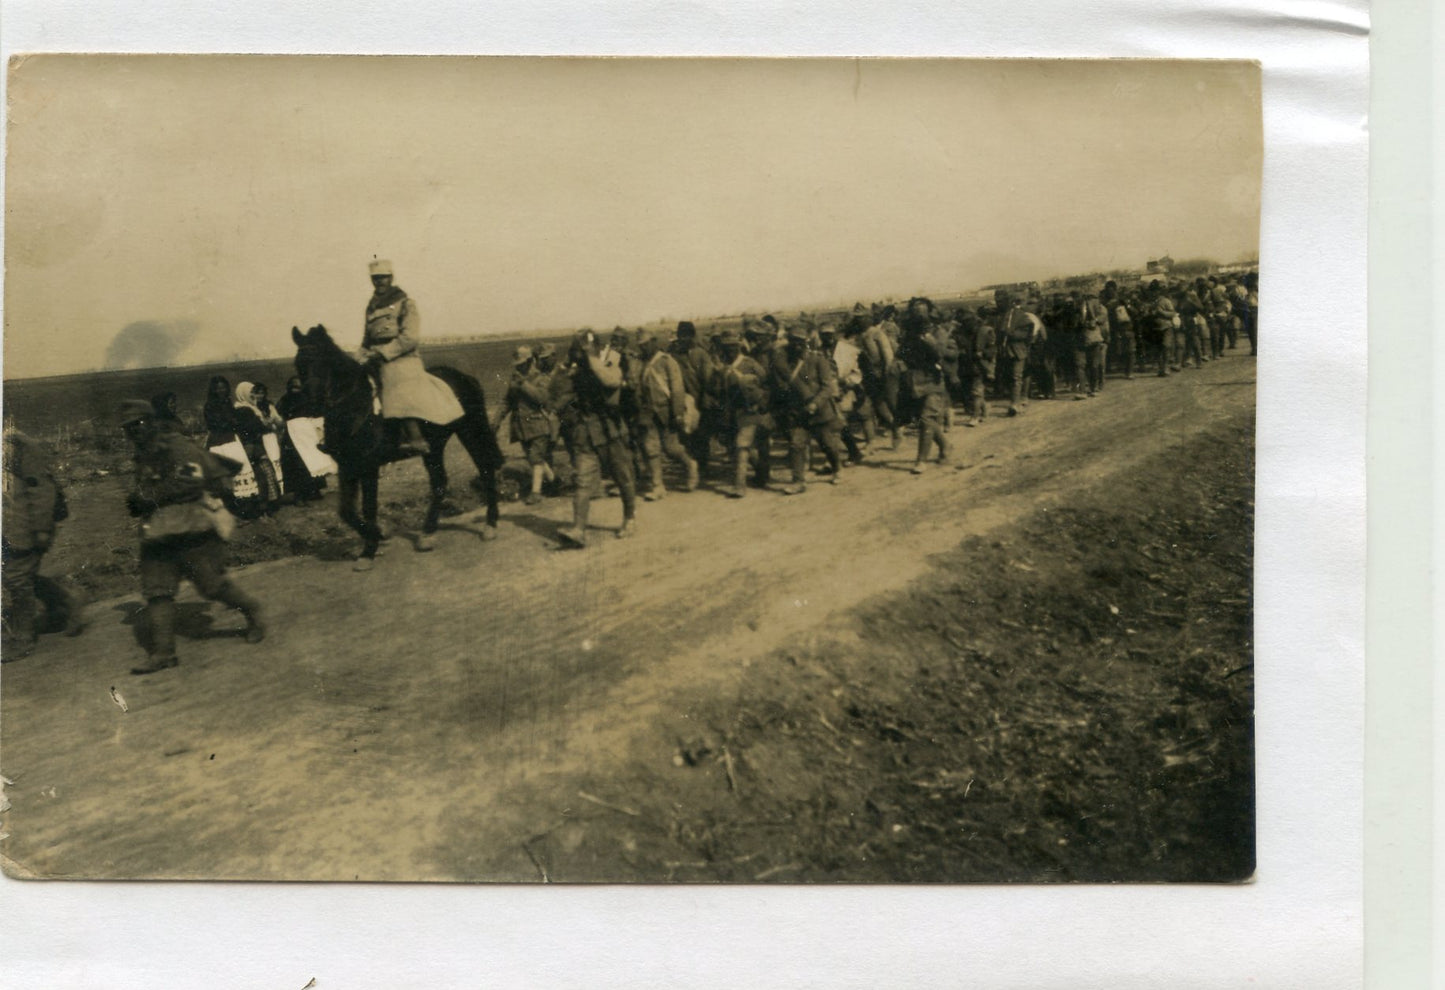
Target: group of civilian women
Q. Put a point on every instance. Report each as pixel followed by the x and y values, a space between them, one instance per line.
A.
pixel 276 443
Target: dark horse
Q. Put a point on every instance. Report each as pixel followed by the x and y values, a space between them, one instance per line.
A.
pixel 360 441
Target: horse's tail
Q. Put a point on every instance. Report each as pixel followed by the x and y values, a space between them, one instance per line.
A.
pixel 475 429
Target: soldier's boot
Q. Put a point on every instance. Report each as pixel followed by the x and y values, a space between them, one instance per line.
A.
pixel 762 461
pixel 160 617
pixel 412 442
pixel 658 491
pixel 834 452
pixel 539 473
pixel 943 450
pixel 249 607
pixel 739 487
pixel 924 447
pixel 576 534
pixel 694 475
pixel 255 628
pixel 798 467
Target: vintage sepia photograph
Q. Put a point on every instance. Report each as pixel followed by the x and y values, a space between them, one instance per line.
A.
pixel 629 470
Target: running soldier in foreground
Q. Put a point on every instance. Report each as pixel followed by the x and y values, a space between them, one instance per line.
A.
pixel 177 499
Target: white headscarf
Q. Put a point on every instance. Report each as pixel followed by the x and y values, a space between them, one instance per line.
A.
pixel 246 399
pixel 243 397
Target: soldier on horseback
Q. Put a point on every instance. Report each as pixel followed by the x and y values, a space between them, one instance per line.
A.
pixel 390 351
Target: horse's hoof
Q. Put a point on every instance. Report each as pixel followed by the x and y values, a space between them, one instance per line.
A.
pixel 489 533
pixel 425 542
pixel 363 564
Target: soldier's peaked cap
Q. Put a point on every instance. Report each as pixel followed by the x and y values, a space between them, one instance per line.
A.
pixel 380 266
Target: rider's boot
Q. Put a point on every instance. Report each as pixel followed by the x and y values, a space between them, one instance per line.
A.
pixel 412 441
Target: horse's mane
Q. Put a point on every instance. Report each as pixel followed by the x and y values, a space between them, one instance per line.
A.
pixel 319 337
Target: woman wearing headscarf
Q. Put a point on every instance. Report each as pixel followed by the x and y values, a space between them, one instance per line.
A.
pixel 256 429
pixel 219 415
pixel 303 464
pixel 219 412
pixel 296 482
pixel 295 402
pixel 167 408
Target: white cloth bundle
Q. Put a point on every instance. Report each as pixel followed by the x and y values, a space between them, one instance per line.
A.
pixel 243 485
pixel 307 433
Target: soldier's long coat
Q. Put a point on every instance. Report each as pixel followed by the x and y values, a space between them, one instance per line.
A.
pixel 393 331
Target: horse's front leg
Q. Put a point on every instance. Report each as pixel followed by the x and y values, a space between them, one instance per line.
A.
pixel 346 492
pixel 371 532
pixel 493 497
pixel 436 472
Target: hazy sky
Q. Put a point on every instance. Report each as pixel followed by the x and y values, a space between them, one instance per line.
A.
pixel 179 209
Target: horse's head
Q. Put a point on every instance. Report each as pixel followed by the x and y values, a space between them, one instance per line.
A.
pixel 323 367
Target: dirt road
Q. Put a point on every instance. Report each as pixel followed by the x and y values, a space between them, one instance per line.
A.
pixel 423 720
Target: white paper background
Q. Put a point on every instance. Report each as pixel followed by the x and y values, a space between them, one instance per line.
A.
pixel 1299 925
